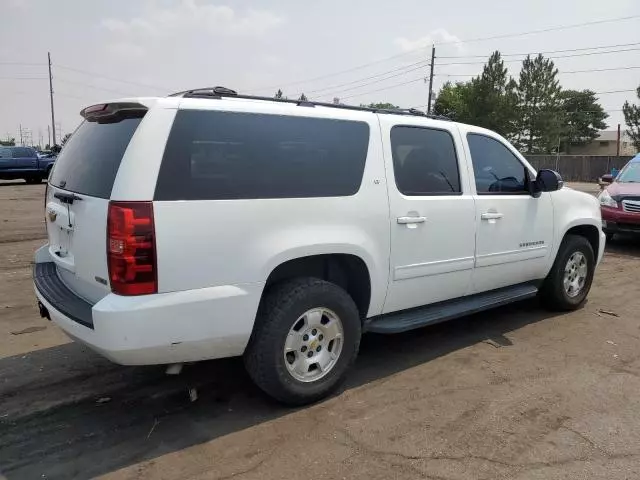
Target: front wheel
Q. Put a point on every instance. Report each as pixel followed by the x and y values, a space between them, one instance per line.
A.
pixel 306 337
pixel 569 281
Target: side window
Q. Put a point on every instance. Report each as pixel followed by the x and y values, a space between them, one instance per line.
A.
pixel 496 169
pixel 20 152
pixel 5 152
pixel 424 161
pixel 216 155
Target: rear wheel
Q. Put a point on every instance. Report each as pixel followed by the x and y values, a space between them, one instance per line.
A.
pixel 569 281
pixel 306 337
pixel 33 180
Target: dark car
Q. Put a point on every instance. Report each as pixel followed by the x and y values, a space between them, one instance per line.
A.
pixel 620 201
pixel 24 162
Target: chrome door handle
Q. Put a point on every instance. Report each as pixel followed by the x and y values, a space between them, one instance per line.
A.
pixel 491 216
pixel 410 220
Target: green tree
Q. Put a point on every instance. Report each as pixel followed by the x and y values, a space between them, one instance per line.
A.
pixel 489 100
pixel 494 98
pixel 632 119
pixel 381 106
pixel 9 142
pixel 453 101
pixel 278 94
pixel 583 117
pixel 540 122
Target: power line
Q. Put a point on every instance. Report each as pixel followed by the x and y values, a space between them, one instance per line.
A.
pixel 422 63
pixel 473 75
pixel 560 72
pixel 421 79
pixel 546 52
pixel 24 64
pixel 373 82
pixel 71 82
pixel 93 74
pixel 23 78
pixel 542 30
pixel 552 58
pixel 478 39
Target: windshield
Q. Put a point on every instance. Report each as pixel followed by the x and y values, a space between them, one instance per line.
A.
pixel 630 173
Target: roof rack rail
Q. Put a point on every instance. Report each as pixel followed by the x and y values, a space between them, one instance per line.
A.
pixel 220 92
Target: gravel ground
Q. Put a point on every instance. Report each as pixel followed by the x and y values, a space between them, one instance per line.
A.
pixel 513 393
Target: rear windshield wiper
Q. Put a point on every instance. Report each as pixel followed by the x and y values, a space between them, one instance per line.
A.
pixel 67 198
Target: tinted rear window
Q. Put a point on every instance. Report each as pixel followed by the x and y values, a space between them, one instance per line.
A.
pixel 90 160
pixel 213 155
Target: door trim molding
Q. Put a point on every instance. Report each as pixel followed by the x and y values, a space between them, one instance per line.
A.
pixel 511 256
pixel 438 267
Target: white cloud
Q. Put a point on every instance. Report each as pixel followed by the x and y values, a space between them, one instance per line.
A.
pixel 190 16
pixel 439 35
pixel 126 50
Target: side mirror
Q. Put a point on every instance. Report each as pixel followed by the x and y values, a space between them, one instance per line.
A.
pixel 605 180
pixel 547 181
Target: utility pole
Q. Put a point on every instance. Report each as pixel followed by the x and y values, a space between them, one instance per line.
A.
pixel 49 135
pixel 618 142
pixel 53 116
pixel 21 142
pixel 433 58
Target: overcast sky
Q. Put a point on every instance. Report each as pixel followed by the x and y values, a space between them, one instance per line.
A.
pixel 161 46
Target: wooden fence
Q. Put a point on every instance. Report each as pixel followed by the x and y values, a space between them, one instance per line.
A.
pixel 578 168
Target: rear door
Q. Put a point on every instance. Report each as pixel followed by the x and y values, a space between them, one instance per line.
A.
pixel 25 158
pixel 432 213
pixel 78 200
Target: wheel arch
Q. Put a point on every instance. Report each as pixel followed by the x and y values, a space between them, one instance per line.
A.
pixel 590 232
pixel 346 270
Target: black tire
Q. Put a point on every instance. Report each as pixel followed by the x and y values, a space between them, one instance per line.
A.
pixel 279 310
pixel 33 180
pixel 553 294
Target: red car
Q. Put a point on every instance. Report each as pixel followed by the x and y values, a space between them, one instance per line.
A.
pixel 620 201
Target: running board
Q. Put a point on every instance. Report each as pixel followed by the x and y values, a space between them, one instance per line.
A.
pixel 405 320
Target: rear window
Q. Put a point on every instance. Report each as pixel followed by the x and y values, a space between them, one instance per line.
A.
pixel 5 152
pixel 89 161
pixel 212 155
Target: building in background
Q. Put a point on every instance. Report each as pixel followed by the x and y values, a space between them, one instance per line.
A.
pixel 606 144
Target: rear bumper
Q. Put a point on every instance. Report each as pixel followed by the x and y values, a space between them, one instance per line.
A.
pixel 619 221
pixel 175 327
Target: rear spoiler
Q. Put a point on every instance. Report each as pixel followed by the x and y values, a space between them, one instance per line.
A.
pixel 113 112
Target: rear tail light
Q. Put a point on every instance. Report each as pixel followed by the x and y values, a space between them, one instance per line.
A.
pixel 131 248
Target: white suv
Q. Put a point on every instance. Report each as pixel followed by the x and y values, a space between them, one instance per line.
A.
pixel 209 224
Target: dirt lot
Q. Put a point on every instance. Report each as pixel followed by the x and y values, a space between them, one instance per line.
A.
pixel 515 393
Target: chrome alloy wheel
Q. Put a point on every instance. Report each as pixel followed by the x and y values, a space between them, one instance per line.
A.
pixel 313 345
pixel 575 274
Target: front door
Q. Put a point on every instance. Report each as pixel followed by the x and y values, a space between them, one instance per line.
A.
pixel 514 230
pixel 432 213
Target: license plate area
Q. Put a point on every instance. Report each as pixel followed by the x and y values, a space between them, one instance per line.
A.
pixel 60 226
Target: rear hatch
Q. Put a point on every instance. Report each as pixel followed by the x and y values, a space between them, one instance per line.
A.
pixel 77 200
